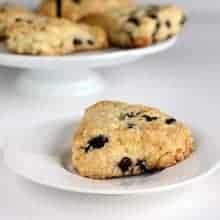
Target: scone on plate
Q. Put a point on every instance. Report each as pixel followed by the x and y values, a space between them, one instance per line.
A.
pixel 116 139
pixel 77 9
pixel 53 36
pixel 10 14
pixel 140 26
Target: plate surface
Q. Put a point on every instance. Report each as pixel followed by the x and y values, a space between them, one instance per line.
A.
pixel 85 59
pixel 41 153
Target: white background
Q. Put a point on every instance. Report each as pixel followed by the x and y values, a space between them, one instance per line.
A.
pixel 177 81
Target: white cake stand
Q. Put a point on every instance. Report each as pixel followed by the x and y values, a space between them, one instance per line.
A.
pixel 73 75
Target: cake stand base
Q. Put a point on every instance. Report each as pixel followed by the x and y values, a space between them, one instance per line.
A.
pixel 81 82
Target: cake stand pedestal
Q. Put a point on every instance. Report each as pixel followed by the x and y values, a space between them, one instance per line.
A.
pixel 72 75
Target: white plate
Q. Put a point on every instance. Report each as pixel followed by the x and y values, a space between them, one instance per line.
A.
pixel 40 153
pixel 71 74
pixel 102 58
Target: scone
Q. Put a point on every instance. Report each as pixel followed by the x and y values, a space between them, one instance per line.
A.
pixel 77 9
pixel 116 139
pixel 52 36
pixel 140 26
pixel 9 14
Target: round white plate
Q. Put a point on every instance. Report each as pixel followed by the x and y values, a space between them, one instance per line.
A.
pixel 71 75
pixel 41 153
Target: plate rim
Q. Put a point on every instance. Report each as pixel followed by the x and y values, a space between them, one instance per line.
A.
pixel 73 189
pixel 83 57
pixel 7 152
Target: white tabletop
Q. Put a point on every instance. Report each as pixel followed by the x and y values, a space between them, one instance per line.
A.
pixel 182 75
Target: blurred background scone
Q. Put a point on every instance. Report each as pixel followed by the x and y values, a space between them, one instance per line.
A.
pixel 77 9
pixel 57 29
pixel 140 26
pixel 52 36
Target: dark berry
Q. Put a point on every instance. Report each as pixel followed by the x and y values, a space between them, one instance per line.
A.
pixel 131 125
pixel 142 165
pixel 154 118
pixel 3 38
pixel 18 19
pixel 170 121
pixel 59 8
pixel 96 143
pixel 149 118
pixel 123 116
pixel 90 42
pixel 157 27
pixel 134 21
pixel 169 36
pixel 152 15
pixel 76 1
pixel 130 115
pixel 155 170
pixel 168 24
pixel 77 41
pixel 183 20
pixel 2 9
pixel 125 164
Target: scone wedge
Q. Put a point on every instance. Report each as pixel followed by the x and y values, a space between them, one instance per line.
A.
pixel 140 26
pixel 53 36
pixel 117 139
pixel 78 9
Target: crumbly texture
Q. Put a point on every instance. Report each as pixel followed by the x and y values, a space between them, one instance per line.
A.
pixel 116 139
pixel 10 14
pixel 140 26
pixel 52 36
pixel 77 9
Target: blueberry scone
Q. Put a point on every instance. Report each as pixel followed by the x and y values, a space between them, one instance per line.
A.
pixel 77 9
pixel 10 14
pixel 116 139
pixel 52 36
pixel 140 26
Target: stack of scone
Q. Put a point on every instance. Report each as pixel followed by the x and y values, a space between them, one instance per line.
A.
pixel 61 27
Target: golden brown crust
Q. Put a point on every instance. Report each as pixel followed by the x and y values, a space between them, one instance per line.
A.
pixel 140 41
pixel 52 36
pixel 116 139
pixel 139 26
pixel 79 9
pixel 48 8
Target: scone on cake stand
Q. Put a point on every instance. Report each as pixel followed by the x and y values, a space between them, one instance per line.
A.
pixel 46 50
pixel 74 75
